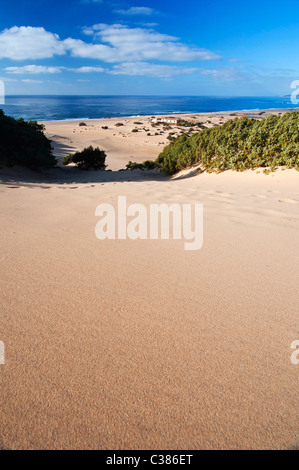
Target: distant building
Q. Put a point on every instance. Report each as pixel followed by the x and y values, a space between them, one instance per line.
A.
pixel 169 120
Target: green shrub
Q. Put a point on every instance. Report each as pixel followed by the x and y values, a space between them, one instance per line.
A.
pixel 24 143
pixel 238 144
pixel 147 165
pixel 89 159
pixel 68 159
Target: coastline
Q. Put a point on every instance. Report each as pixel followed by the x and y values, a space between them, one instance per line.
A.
pixel 122 144
pixel 63 107
pixel 178 114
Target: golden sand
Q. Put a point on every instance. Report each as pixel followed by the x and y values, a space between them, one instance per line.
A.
pixel 140 344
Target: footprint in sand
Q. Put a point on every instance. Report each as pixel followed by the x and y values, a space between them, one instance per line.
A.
pixel 288 201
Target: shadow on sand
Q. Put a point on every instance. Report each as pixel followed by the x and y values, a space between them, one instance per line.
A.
pixel 19 176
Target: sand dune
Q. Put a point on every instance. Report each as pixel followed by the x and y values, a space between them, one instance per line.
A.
pixel 121 144
pixel 140 344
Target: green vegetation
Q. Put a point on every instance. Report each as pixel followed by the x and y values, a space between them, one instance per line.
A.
pixel 171 136
pixel 239 144
pixel 185 123
pixel 89 159
pixel 147 165
pixel 24 143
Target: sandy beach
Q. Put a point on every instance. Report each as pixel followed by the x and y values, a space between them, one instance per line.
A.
pixel 115 135
pixel 139 344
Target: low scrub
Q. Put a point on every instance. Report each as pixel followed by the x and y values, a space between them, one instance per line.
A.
pixel 89 159
pixel 239 144
pixel 147 165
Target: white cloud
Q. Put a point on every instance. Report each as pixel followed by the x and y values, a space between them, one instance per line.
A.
pixel 111 43
pixel 133 50
pixel 137 11
pixel 28 80
pixel 226 74
pixel 88 69
pixel 148 25
pixel 27 42
pixel 85 50
pixel 33 69
pixel 150 70
pixel 122 44
pixel 88 31
pixel 8 80
pixel 44 69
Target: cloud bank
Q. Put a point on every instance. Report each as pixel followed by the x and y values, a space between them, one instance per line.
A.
pixel 27 42
pixel 110 43
pixel 139 51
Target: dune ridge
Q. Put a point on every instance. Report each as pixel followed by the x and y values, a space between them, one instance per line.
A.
pixel 139 344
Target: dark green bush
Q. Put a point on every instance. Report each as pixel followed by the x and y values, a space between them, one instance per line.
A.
pixel 147 165
pixel 239 144
pixel 89 159
pixel 24 143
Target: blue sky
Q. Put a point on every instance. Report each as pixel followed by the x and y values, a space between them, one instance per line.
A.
pixel 215 47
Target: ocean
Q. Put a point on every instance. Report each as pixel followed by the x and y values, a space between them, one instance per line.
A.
pixel 56 108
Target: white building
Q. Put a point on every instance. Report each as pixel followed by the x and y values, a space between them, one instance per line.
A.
pixel 169 120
